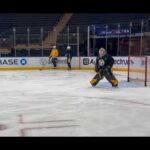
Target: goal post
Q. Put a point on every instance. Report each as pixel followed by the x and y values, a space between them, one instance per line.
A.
pixel 139 69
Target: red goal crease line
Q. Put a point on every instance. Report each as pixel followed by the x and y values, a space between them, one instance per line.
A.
pixel 36 122
pixel 23 132
pixel 21 121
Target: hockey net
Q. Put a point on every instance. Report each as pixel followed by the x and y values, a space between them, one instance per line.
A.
pixel 139 69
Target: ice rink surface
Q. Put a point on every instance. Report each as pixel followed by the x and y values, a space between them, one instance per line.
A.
pixel 63 103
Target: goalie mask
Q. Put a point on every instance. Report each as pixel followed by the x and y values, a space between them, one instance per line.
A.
pixel 102 52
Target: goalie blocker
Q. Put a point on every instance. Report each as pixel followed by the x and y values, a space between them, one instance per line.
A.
pixel 103 67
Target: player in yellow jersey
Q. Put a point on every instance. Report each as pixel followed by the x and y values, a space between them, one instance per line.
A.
pixel 53 55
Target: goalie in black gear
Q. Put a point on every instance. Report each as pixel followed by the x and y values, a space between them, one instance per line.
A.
pixel 69 57
pixel 103 67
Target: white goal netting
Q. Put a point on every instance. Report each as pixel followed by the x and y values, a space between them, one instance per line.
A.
pixel 139 69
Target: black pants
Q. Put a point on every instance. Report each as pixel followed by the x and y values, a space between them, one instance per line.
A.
pixel 69 62
pixel 54 61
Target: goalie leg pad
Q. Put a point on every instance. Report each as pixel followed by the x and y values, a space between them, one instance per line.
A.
pixel 114 82
pixel 94 82
pixel 111 78
pixel 99 76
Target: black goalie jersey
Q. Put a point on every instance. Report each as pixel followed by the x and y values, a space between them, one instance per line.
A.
pixel 103 67
pixel 103 62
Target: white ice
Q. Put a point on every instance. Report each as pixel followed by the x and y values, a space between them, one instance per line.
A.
pixel 63 103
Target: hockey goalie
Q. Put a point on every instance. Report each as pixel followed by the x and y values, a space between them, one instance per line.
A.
pixel 103 68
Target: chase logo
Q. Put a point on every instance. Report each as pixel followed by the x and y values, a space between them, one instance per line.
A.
pixel 85 61
pixel 23 61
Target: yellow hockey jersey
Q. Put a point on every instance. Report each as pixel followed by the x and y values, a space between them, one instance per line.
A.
pixel 54 53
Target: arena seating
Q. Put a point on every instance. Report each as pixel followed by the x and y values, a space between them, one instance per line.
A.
pixel 46 21
pixel 106 18
pixel 8 21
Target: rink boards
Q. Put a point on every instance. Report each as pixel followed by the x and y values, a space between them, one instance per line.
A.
pixel 36 63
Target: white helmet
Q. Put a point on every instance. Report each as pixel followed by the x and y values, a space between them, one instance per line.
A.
pixel 102 52
pixel 54 46
pixel 68 47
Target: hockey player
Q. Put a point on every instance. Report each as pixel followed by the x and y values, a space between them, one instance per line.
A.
pixel 53 55
pixel 103 67
pixel 69 56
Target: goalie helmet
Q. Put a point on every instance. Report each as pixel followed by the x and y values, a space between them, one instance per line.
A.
pixel 68 47
pixel 102 52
